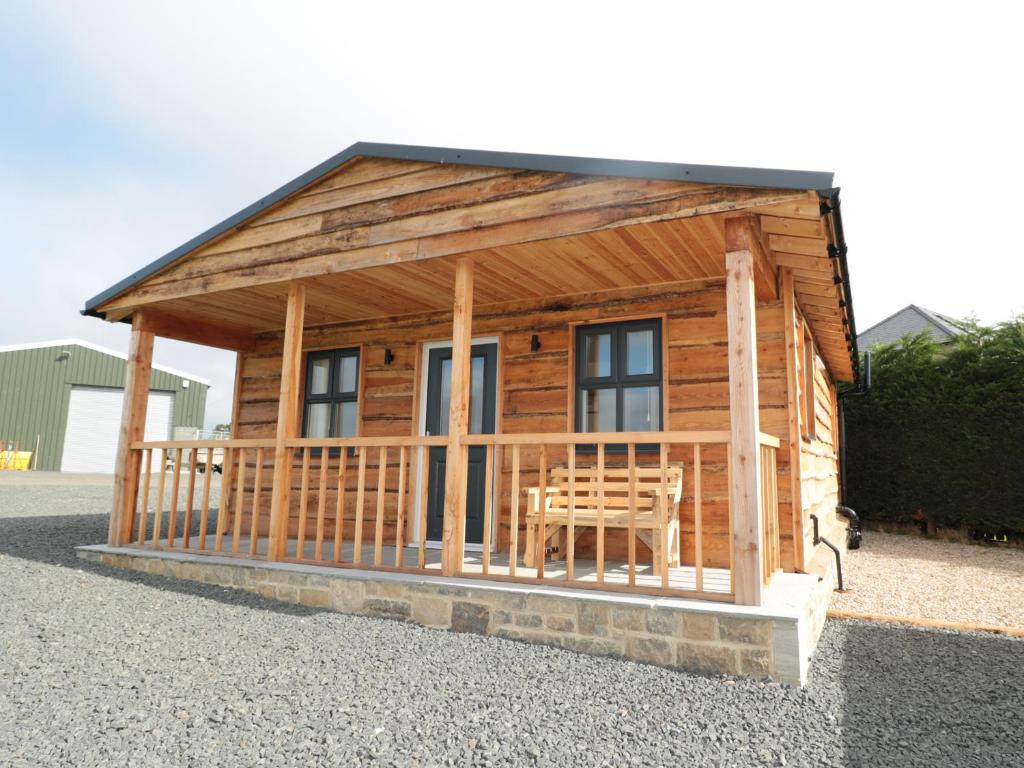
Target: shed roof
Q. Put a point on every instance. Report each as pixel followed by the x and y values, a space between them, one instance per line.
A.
pixel 102 350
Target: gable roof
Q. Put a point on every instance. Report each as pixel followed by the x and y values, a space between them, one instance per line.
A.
pixel 641 169
pixel 103 350
pixel 911 320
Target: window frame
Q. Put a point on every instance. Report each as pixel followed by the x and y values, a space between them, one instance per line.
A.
pixel 618 379
pixel 332 396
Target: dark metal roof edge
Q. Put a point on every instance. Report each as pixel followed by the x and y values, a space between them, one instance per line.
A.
pixel 702 174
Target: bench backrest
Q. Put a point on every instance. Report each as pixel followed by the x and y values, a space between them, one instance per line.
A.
pixel 616 485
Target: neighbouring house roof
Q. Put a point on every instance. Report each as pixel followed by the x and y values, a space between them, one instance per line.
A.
pixel 911 320
pixel 103 350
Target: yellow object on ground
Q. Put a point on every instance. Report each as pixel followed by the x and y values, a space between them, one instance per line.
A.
pixel 16 460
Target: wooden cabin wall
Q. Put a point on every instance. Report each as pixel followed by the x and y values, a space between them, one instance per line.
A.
pixel 819 460
pixel 534 396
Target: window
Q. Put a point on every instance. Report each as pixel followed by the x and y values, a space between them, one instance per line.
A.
pixel 618 377
pixel 332 393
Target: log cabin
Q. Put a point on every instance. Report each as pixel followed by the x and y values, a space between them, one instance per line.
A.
pixel 516 394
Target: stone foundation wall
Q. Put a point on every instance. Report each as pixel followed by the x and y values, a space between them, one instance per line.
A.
pixel 712 638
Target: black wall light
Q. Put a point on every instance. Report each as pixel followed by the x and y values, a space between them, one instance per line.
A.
pixel 534 343
pixel 389 356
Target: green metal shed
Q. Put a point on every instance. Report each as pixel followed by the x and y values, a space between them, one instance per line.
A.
pixel 67 396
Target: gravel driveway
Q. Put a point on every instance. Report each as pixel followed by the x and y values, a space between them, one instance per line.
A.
pixel 111 668
pixel 900 575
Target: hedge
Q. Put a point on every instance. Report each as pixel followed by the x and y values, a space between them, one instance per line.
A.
pixel 940 436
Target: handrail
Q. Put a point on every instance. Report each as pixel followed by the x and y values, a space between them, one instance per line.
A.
pixel 233 443
pixel 409 441
pixel 769 440
pixel 596 438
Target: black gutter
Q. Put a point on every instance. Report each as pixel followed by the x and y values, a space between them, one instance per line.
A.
pixel 830 207
pixel 703 174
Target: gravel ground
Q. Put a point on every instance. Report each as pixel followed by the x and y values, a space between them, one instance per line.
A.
pixel 111 668
pixel 900 575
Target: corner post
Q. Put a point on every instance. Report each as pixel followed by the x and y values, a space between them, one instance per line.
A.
pixel 454 533
pixel 133 428
pixel 287 421
pixel 793 410
pixel 745 455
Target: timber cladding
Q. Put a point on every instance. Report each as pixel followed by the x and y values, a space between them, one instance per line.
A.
pixel 535 392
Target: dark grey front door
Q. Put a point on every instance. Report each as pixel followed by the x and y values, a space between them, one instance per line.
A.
pixel 483 390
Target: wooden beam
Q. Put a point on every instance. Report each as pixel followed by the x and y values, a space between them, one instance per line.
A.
pixel 287 421
pixel 453 537
pixel 133 428
pixel 793 413
pixel 745 454
pixel 463 233
pixel 197 331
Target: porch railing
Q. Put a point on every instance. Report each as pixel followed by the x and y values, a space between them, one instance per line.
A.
pixel 643 512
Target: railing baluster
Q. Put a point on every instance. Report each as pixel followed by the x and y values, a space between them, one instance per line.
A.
pixel 570 515
pixel 339 512
pixel 631 504
pixel 663 512
pixel 513 531
pixel 698 522
pixel 236 534
pixel 144 515
pixel 172 517
pixel 424 501
pixel 357 540
pixel 400 509
pixel 729 503
pixel 204 510
pixel 321 505
pixel 600 513
pixel 257 489
pixel 488 508
pixel 300 540
pixel 186 536
pixel 161 487
pixel 382 478
pixel 542 484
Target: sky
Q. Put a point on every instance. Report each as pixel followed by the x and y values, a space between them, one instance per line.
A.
pixel 128 128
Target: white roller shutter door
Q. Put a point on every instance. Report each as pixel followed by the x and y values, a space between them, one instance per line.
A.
pixel 94 418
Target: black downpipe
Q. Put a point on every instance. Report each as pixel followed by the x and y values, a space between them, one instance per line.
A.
pixel 839 561
pixel 853 534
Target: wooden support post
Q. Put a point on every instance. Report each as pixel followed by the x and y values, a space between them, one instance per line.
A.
pixel 287 421
pixel 133 428
pixel 793 411
pixel 453 536
pixel 741 246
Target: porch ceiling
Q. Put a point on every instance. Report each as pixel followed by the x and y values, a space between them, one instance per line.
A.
pixel 637 255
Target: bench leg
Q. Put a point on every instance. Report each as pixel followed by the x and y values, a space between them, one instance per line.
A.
pixel 530 545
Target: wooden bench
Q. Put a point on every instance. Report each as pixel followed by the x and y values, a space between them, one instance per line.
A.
pixel 649 501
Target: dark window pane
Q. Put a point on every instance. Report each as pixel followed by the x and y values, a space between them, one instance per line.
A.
pixel 640 409
pixel 598 355
pixel 597 410
pixel 318 419
pixel 444 406
pixel 639 352
pixel 320 370
pixel 348 373
pixel 345 419
pixel 476 397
